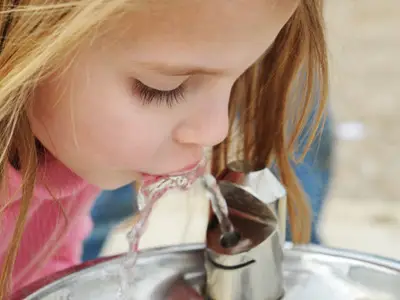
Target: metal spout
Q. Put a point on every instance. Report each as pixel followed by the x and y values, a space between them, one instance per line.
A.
pixel 251 269
pixel 261 182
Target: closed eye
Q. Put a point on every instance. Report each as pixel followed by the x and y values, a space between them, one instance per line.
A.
pixel 150 95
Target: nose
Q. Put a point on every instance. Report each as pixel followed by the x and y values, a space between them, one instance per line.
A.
pixel 206 126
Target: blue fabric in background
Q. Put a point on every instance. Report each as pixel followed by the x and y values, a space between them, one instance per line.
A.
pixel 110 208
pixel 314 174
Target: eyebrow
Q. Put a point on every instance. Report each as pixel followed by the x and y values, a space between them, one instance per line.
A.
pixel 181 70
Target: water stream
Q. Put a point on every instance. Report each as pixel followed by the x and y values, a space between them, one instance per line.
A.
pixel 148 195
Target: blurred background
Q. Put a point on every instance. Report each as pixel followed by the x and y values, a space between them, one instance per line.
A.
pixel 362 211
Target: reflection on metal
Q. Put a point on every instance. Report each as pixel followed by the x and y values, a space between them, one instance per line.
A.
pixel 313 272
pixel 241 272
pixel 157 271
pixel 260 181
pixel 308 270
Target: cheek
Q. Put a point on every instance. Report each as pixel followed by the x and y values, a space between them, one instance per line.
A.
pixel 98 128
pixel 50 121
pixel 122 143
pixel 121 133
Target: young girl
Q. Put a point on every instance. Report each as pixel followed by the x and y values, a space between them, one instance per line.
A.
pixel 95 93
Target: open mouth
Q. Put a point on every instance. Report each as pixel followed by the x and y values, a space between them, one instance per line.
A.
pixel 153 187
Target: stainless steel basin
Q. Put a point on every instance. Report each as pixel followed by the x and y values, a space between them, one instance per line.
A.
pixel 310 272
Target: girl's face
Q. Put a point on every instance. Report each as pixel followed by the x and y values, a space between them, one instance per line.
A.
pixel 152 90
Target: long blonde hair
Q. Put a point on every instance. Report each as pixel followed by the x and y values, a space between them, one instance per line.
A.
pixel 36 35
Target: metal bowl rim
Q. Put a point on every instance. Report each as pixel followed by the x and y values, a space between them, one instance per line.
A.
pixel 376 260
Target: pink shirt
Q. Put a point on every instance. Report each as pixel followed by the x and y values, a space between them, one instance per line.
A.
pixel 50 241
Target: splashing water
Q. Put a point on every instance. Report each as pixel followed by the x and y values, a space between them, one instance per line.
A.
pixel 152 189
pixel 230 238
pixel 218 203
pixel 127 274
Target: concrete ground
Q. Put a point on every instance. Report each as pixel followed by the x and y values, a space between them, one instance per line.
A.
pixel 363 212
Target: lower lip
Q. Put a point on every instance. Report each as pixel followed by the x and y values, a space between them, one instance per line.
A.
pixel 187 169
pixel 184 170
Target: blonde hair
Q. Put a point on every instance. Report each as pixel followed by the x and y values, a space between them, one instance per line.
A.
pixel 37 35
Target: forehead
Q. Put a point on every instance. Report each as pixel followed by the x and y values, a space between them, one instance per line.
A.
pixel 220 32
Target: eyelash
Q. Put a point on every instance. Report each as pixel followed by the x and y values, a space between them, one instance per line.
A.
pixel 150 95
